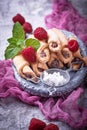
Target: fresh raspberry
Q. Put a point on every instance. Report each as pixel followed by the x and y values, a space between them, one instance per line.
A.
pixel 36 124
pixel 73 45
pixel 40 33
pixel 27 27
pixel 51 126
pixel 29 54
pixel 19 18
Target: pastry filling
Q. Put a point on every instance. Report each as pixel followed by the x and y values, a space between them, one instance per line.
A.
pixel 40 69
pixel 28 75
pixel 43 54
pixel 76 59
pixel 55 64
pixel 54 45
pixel 77 63
pixel 65 54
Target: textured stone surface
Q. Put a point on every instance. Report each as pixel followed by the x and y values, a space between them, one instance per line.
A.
pixel 81 6
pixel 14 114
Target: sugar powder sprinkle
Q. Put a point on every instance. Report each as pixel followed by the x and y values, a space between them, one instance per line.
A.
pixel 54 79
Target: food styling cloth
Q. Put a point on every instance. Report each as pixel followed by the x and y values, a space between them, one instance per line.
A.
pixel 66 109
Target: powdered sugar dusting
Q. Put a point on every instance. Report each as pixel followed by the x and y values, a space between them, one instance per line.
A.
pixel 54 79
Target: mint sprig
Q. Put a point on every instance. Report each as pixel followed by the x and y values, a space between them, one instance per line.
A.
pixel 16 42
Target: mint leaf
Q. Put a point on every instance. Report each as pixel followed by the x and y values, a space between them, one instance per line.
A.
pixel 20 42
pixel 32 42
pixel 12 40
pixel 16 42
pixel 12 50
pixel 18 31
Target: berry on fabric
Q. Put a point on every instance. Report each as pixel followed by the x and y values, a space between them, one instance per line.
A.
pixel 36 124
pixel 73 45
pixel 40 33
pixel 29 54
pixel 27 27
pixel 51 126
pixel 18 18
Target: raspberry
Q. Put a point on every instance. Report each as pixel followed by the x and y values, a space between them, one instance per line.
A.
pixel 27 27
pixel 51 126
pixel 36 124
pixel 73 45
pixel 18 18
pixel 40 33
pixel 29 54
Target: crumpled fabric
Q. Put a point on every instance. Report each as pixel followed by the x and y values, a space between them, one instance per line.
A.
pixel 62 109
pixel 64 16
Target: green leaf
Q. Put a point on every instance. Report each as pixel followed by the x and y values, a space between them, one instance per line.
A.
pixel 20 42
pixel 32 42
pixel 16 42
pixel 12 40
pixel 12 50
pixel 18 31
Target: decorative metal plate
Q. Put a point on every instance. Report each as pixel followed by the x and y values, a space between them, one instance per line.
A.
pixel 44 90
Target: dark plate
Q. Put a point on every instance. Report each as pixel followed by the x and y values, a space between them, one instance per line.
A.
pixel 44 90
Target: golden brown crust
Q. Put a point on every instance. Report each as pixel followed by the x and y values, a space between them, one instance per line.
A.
pixel 35 69
pixel 53 41
pixel 53 53
pixel 38 68
pixel 43 53
pixel 62 38
pixel 28 72
pixel 77 54
pixel 42 66
pixel 65 55
pixel 85 60
pixel 23 67
pixel 55 61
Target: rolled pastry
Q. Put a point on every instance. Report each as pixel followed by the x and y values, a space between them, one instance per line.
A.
pixel 38 68
pixel 63 39
pixel 23 67
pixel 43 53
pixel 85 60
pixel 42 66
pixel 54 61
pixel 53 41
pixel 76 66
pixel 65 55
pixel 78 54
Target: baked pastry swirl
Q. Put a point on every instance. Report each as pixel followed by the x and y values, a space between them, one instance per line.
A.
pixel 54 61
pixel 52 53
pixel 53 41
pixel 23 67
pixel 43 53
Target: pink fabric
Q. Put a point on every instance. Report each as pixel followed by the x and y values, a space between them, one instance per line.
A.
pixel 67 109
pixel 64 16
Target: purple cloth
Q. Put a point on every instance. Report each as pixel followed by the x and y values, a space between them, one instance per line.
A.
pixel 58 108
pixel 64 16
